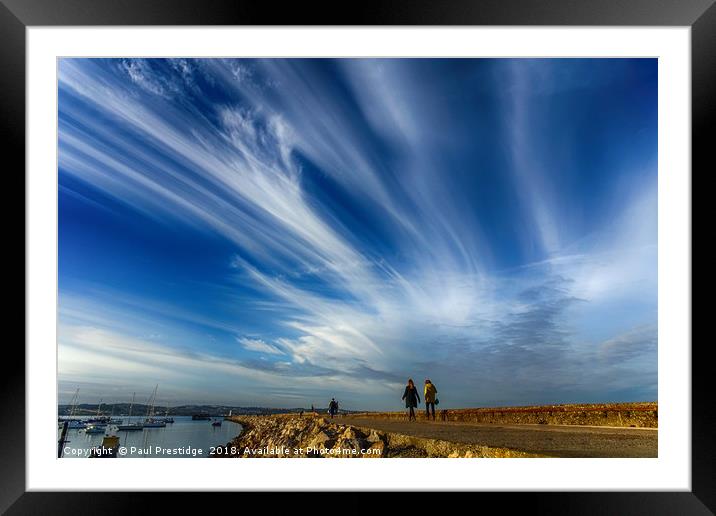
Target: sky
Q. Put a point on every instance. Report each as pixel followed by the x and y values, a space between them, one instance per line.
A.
pixel 277 232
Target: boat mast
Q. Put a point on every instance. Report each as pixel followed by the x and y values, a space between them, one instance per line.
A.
pixel 130 407
pixel 74 401
pixel 150 413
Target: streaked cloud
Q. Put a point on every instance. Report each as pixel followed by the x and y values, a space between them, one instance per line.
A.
pixel 259 346
pixel 343 222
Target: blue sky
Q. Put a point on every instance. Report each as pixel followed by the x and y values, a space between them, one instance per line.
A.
pixel 278 232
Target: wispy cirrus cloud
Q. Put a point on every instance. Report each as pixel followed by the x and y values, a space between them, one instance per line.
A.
pixel 371 237
pixel 259 346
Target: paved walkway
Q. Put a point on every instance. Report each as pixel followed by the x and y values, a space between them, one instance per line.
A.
pixel 551 440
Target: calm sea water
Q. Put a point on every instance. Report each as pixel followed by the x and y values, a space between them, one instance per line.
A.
pixel 183 438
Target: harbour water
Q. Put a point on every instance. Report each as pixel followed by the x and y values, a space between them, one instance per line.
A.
pixel 183 438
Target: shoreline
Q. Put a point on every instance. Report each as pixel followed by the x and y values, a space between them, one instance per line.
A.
pixel 313 436
pixel 540 431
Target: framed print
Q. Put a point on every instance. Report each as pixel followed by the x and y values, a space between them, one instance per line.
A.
pixel 455 240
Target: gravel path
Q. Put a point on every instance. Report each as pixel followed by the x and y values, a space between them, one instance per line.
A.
pixel 551 440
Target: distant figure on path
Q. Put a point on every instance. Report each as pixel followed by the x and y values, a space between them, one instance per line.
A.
pixel 430 397
pixel 333 407
pixel 411 398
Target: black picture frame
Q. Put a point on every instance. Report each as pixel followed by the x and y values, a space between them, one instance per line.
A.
pixel 17 15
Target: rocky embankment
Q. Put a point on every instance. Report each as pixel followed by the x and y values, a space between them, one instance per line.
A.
pixel 635 415
pixel 311 436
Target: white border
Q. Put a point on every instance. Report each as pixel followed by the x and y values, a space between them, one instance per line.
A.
pixel 672 470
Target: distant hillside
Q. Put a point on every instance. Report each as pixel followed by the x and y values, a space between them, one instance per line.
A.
pixel 139 409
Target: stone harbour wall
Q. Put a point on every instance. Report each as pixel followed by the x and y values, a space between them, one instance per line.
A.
pixel 293 436
pixel 637 415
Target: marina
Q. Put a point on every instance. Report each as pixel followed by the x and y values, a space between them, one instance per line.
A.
pixel 102 436
pixel 184 438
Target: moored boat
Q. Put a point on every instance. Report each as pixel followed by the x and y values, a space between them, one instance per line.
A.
pixel 166 417
pixel 72 423
pixel 151 421
pixel 130 427
pixel 75 424
pixel 154 423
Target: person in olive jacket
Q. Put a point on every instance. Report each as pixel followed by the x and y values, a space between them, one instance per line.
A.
pixel 430 393
pixel 412 398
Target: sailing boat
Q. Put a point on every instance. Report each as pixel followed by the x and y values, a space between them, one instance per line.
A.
pixel 97 424
pixel 71 422
pixel 131 426
pixel 112 420
pixel 166 417
pixel 151 422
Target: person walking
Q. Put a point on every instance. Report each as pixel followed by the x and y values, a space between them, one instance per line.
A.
pixel 430 394
pixel 412 398
pixel 333 407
